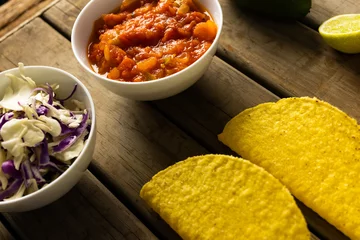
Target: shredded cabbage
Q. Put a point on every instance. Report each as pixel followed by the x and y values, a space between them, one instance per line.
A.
pixel 18 91
pixel 3 178
pixel 39 136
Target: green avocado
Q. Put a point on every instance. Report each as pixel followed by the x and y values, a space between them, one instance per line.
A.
pixel 293 9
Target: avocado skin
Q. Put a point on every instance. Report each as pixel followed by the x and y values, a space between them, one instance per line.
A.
pixel 293 9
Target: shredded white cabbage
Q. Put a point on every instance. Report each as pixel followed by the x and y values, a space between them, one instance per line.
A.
pixel 73 151
pixel 17 92
pixel 3 178
pixel 28 125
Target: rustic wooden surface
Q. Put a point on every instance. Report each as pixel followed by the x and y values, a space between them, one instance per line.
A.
pixel 5 234
pixel 205 110
pixel 324 9
pixel 12 9
pixel 15 13
pixel 291 59
pixel 122 167
pixel 138 139
pixel 63 15
pixel 88 211
pixel 128 157
pixel 225 82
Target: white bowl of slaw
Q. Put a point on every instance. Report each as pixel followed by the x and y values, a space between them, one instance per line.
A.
pixel 149 90
pixel 62 184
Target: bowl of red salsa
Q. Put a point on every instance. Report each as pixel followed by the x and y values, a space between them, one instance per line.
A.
pixel 147 49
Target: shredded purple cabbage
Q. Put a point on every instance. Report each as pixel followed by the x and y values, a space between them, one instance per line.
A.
pixel 53 166
pixel 44 168
pixel 44 155
pixel 65 143
pixel 42 110
pixel 37 175
pixel 26 172
pixel 8 167
pixel 65 129
pixel 5 118
pixel 71 139
pixel 83 125
pixel 51 94
pixel 11 190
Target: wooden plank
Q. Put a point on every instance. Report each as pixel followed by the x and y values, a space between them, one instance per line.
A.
pixel 5 63
pixel 289 58
pixel 313 237
pixel 4 233
pixel 79 3
pixel 26 16
pixel 203 112
pixel 12 9
pixel 324 9
pixel 88 211
pixel 63 15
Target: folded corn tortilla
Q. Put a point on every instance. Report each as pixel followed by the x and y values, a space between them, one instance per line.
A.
pixel 223 197
pixel 312 147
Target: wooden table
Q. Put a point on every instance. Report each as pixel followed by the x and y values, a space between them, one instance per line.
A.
pixel 258 60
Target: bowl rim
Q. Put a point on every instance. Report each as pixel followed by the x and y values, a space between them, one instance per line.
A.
pixel 86 145
pixel 99 76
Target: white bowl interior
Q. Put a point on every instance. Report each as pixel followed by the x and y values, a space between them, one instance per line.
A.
pixel 57 188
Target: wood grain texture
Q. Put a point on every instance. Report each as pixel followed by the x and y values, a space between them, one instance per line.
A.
pixel 289 58
pixel 133 142
pixel 144 143
pixel 324 9
pixel 79 3
pixel 25 16
pixel 63 15
pixel 5 234
pixel 286 57
pixel 210 120
pixel 203 110
pixel 313 237
pixel 88 211
pixel 5 62
pixel 12 9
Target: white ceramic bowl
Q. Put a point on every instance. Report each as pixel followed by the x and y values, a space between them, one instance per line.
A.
pixel 151 90
pixel 57 188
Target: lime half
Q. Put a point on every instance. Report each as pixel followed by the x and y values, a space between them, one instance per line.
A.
pixel 342 32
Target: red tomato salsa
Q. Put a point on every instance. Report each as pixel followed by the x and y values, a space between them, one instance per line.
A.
pixel 150 39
